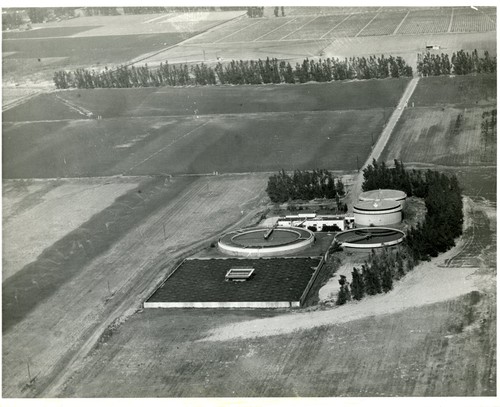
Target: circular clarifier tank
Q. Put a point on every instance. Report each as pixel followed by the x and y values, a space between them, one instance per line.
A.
pixel 265 242
pixel 370 238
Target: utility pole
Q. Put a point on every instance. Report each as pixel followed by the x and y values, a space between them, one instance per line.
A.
pixel 357 163
pixel 29 373
pixel 164 233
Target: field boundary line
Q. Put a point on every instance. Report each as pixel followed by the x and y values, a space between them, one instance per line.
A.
pixel 302 26
pixel 168 17
pixel 451 20
pixel 369 22
pixel 19 101
pixel 167 146
pixel 73 106
pixel 237 31
pixel 274 29
pixel 401 23
pixel 335 26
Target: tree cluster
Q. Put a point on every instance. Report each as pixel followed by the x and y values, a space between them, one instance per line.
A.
pixel 235 73
pixel 443 201
pixel 461 63
pixel 12 19
pixel 305 185
pixel 377 275
pixel 443 220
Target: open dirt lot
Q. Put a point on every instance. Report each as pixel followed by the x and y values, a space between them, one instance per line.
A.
pixel 118 257
pixel 37 213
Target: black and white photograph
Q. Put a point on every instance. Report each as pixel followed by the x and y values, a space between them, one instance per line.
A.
pixel 250 204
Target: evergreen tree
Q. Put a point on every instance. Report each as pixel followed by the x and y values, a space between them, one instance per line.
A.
pixel 357 285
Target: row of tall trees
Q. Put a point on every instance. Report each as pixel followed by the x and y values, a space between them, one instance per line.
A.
pixel 461 63
pixel 270 70
pixel 303 185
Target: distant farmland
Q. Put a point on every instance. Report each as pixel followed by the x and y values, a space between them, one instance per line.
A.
pixel 91 50
pixel 234 129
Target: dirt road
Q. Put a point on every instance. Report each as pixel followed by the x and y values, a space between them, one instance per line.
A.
pixel 382 141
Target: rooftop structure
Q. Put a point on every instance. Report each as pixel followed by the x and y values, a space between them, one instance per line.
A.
pixel 237 283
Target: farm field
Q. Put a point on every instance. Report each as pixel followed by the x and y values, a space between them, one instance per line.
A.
pixel 344 22
pixel 88 51
pixel 210 100
pixel 186 131
pixel 119 256
pixel 96 41
pixel 445 128
pixel 55 207
pixel 222 143
pixel 447 137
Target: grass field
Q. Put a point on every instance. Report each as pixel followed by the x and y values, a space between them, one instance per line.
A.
pixel 444 127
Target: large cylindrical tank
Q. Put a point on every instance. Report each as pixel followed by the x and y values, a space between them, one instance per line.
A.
pixel 384 194
pixel 377 213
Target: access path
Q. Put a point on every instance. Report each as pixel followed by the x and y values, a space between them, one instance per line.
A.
pixel 382 141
